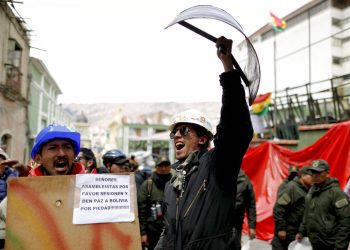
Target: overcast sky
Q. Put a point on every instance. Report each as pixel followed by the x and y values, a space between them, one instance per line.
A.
pixel 119 51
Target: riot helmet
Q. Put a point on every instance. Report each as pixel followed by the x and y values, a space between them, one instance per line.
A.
pixel 115 156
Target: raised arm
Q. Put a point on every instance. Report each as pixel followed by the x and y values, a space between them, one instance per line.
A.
pixel 234 131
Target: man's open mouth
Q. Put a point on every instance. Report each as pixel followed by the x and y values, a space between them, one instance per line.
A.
pixel 61 165
pixel 179 145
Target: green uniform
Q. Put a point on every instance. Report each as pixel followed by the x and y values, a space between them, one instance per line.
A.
pixel 288 213
pixel 327 217
pixel 282 186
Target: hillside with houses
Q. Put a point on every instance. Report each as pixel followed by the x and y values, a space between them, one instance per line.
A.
pixel 101 114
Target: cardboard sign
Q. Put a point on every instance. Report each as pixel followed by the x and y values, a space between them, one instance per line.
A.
pixel 102 198
pixel 40 216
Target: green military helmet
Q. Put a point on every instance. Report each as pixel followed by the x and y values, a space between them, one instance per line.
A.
pixel 305 170
pixel 319 166
pixel 162 160
pixel 293 169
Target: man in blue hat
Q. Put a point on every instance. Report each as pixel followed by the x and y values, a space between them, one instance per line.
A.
pixel 54 150
pixel 326 218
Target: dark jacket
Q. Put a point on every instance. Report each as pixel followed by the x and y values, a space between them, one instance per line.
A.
pixel 288 212
pixel 282 186
pixel 151 192
pixel 203 217
pixel 140 177
pixel 245 202
pixel 9 172
pixel 326 219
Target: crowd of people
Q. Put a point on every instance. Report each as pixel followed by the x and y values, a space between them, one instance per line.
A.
pixel 200 200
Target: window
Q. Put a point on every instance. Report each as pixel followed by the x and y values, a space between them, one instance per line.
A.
pixel 43 123
pixel 5 142
pixel 14 53
pixel 336 22
pixel 336 60
pixel 341 4
pixel 13 63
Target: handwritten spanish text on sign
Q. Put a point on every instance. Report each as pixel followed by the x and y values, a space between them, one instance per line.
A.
pixel 101 198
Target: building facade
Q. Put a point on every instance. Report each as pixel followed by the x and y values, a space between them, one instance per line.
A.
pixel 306 66
pixel 43 106
pixel 315 46
pixel 14 57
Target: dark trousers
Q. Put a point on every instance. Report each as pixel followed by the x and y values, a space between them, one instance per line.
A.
pixel 320 246
pixel 153 238
pixel 238 238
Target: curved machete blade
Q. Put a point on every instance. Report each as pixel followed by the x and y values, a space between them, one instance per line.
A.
pixel 252 69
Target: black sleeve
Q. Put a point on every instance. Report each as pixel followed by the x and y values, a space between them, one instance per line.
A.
pixel 234 131
pixel 250 205
pixel 143 206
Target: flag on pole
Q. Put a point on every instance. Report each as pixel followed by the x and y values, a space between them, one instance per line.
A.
pixel 278 24
pixel 261 104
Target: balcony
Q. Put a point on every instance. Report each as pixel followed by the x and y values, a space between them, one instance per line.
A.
pixel 12 87
pixel 317 103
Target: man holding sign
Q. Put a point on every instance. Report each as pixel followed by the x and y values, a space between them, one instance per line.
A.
pixel 54 150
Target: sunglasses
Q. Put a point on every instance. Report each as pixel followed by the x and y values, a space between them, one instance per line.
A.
pixel 183 131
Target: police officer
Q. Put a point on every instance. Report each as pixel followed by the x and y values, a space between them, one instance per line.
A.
pixel 326 218
pixel 150 200
pixel 289 210
pixel 293 172
pixel 245 203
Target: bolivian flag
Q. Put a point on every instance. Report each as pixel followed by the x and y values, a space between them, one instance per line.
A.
pixel 261 104
pixel 278 24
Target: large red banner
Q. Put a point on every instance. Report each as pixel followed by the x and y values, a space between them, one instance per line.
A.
pixel 267 165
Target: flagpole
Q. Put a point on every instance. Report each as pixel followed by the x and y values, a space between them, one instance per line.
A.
pixel 278 24
pixel 275 85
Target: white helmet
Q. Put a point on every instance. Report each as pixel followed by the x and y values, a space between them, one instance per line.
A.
pixel 192 116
